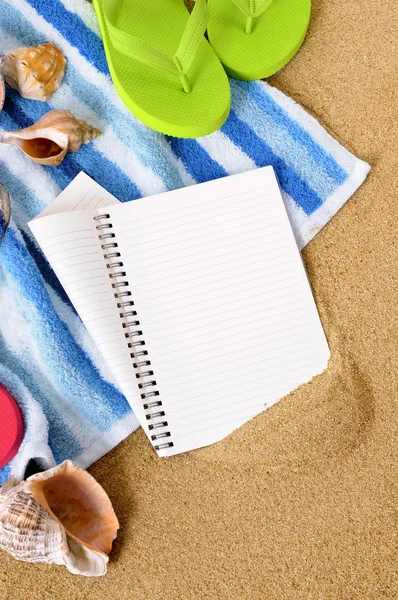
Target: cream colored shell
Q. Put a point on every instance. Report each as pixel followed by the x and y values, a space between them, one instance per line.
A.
pixel 62 516
pixel 36 72
pixel 49 139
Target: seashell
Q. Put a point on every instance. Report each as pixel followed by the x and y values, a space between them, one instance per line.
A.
pixel 2 84
pixel 61 516
pixel 49 139
pixel 5 212
pixel 35 72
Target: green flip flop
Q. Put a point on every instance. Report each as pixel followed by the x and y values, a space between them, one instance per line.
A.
pixel 256 38
pixel 162 66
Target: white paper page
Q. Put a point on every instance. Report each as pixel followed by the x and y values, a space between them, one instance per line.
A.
pixel 223 301
pixel 70 242
pixel 83 193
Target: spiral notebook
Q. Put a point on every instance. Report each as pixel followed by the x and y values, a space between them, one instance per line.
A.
pixel 197 299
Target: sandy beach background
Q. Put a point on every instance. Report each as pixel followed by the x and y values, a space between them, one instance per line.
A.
pixel 299 503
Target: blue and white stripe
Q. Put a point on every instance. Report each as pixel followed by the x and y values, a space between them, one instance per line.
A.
pixel 71 406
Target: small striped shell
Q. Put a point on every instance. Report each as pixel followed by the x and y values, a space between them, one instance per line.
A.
pixel 30 531
pixel 27 531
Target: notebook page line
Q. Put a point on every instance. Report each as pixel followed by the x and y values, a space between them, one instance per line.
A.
pixel 182 221
pixel 243 344
pixel 179 417
pixel 150 229
pixel 168 256
pixel 257 406
pixel 244 364
pixel 246 290
pixel 205 257
pixel 214 384
pixel 264 382
pixel 266 333
pixel 135 243
pixel 187 207
pixel 70 234
pixel 214 320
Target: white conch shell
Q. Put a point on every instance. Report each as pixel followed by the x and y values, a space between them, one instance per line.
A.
pixel 49 139
pixel 62 516
pixel 35 72
pixel 2 84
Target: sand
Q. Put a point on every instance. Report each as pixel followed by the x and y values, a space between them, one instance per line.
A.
pixel 299 503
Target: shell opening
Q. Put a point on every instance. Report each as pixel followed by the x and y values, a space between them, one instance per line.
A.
pixel 80 504
pixel 38 148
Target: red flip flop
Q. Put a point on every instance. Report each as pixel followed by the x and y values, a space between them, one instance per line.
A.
pixel 11 428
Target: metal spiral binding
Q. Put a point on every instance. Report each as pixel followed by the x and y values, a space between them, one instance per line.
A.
pixel 139 354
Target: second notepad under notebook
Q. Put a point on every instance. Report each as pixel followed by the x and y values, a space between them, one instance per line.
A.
pixel 205 314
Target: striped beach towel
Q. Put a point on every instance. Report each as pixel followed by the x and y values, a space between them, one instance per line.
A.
pixel 71 405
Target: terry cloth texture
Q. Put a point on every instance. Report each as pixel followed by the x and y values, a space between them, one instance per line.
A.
pixel 71 405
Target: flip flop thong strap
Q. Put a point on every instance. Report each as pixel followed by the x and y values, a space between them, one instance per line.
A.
pixel 253 8
pixel 176 64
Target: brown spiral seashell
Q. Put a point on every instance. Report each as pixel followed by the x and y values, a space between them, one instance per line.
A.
pixel 51 137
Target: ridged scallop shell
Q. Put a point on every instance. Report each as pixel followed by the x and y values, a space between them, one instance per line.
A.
pixel 49 139
pixel 36 72
pixel 62 516
pixel 2 84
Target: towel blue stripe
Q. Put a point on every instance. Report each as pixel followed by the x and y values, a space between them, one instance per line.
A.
pixel 47 272
pixel 199 164
pixel 261 153
pixel 60 176
pixel 21 196
pixel 19 265
pixel 283 145
pixel 5 473
pixel 293 129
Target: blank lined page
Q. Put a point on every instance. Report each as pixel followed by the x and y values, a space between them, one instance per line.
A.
pixel 223 300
